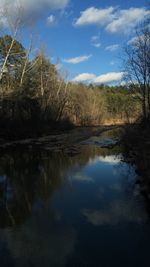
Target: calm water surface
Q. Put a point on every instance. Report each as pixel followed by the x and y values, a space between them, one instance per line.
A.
pixel 85 210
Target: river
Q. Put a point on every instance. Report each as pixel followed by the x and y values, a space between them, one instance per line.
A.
pixel 59 210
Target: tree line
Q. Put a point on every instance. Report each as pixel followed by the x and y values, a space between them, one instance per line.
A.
pixel 34 98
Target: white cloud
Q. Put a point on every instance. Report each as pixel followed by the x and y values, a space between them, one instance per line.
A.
pixel 84 77
pixel 127 19
pixel 133 40
pixel 34 4
pixel 137 40
pixel 3 21
pixel 97 45
pixel 95 41
pixel 77 60
pixel 113 19
pixel 51 20
pixel 110 77
pixel 94 15
pixel 112 47
pixel 95 38
pixel 102 79
pixel 25 9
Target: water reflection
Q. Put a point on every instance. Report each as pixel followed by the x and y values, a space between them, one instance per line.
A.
pixel 41 241
pixel 117 212
pixel 53 207
pixel 26 177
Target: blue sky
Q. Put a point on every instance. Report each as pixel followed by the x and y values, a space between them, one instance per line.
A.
pixel 85 36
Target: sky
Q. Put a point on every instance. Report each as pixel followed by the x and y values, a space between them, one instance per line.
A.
pixel 84 38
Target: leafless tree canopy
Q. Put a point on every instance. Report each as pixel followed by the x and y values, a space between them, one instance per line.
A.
pixel 138 64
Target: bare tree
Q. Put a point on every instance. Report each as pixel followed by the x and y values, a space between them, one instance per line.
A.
pixel 13 24
pixel 25 67
pixel 138 64
pixel 14 21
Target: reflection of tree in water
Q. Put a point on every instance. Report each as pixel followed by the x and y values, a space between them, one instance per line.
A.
pixel 142 164
pixel 28 176
pixel 41 241
pixel 137 152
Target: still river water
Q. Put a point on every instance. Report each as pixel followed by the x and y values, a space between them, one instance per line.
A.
pixel 85 210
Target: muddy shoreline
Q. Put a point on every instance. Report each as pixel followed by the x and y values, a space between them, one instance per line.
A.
pixel 68 142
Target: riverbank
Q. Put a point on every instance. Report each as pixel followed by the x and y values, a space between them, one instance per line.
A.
pixel 68 142
pixel 136 147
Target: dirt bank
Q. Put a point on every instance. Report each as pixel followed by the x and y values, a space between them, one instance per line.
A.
pixel 68 142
